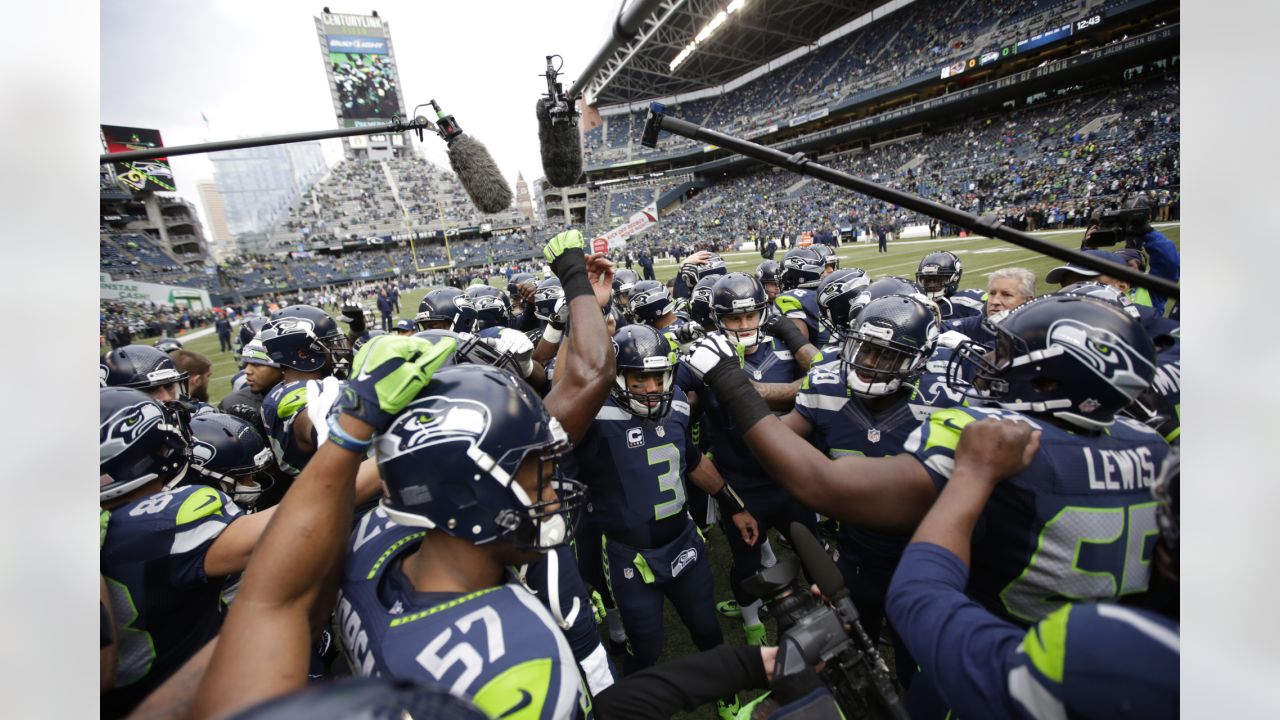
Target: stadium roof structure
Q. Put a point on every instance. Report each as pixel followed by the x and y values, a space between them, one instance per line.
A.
pixel 760 31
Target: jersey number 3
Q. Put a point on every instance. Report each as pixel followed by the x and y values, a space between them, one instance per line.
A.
pixel 668 481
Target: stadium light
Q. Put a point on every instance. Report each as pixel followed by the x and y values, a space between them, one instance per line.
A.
pixel 706 32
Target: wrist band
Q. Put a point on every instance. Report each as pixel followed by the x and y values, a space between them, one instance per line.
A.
pixel 342 439
pixel 729 501
pixel 552 335
pixel 571 268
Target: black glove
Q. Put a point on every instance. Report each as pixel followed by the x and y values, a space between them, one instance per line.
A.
pixel 781 327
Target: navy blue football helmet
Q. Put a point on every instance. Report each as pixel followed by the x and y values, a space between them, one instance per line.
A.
pixel 140 367
pixel 939 274
pixel 623 281
pixel 445 308
pixel 801 268
pixel 167 345
pixel 693 273
pixel 828 254
pixel 768 273
pixel 473 349
pixel 518 279
pixel 449 461
pixel 249 329
pixel 888 345
pixel 139 441
pixel 229 454
pixel 700 302
pixel 546 297
pixel 889 285
pixel 305 338
pixel 1077 359
pixel 491 306
pixel 649 302
pixel 642 349
pixel 837 295
pixel 1103 293
pixel 737 293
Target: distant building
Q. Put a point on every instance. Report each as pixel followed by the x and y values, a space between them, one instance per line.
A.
pixel 258 185
pixel 221 242
pixel 524 202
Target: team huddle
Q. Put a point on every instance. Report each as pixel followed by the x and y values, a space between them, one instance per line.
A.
pixel 494 504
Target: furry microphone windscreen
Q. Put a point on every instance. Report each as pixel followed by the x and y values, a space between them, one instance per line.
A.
pixel 561 148
pixel 479 175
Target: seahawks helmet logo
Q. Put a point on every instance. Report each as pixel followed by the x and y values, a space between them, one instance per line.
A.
pixel 548 293
pixel 290 326
pixel 487 302
pixel 202 452
pixel 703 294
pixel 1102 352
pixel 123 429
pixel 432 421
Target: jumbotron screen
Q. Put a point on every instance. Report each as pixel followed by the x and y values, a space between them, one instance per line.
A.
pixel 140 175
pixel 360 62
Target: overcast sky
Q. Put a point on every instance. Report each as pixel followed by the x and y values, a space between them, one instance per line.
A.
pixel 255 68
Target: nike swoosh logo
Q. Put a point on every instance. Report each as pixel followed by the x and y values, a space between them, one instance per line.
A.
pixel 526 699
pixel 206 504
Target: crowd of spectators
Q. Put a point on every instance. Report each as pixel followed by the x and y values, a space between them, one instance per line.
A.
pixel 921 37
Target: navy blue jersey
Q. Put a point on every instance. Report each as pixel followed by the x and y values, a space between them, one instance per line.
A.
pixel 1078 523
pixel 498 646
pixel 802 304
pixel 280 408
pixel 974 300
pixel 956 307
pixel 636 470
pixel 771 363
pixel 1096 660
pixel 165 607
pixel 845 424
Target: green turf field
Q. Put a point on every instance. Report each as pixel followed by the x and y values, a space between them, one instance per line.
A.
pixel 979 255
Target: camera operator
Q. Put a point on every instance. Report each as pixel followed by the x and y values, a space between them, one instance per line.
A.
pixel 1131 224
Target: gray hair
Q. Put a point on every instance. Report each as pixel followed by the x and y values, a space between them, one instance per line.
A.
pixel 1026 279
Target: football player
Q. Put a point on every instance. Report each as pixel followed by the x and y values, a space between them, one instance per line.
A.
pixel 227 453
pixel 652 305
pixel 837 296
pixel 739 305
pixel 308 346
pixel 939 274
pixel 166 549
pixel 767 274
pixel 472 471
pixel 802 270
pixel 144 368
pixel 446 308
pixel 1086 660
pixel 637 456
pixel 491 306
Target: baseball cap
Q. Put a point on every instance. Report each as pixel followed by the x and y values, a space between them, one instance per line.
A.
pixel 1055 275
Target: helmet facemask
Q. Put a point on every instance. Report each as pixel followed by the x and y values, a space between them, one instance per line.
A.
pixel 748 338
pixel 875 364
pixel 649 405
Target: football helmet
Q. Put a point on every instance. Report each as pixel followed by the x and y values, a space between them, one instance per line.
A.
pixel 837 295
pixel 141 367
pixel 642 349
pixel 734 294
pixel 888 285
pixel 693 273
pixel 473 349
pixel 549 293
pixel 828 254
pixel 449 461
pixel 888 345
pixel 939 274
pixel 1077 359
pixel 649 302
pixel 767 273
pixel 139 441
pixel 445 306
pixel 306 339
pixel 229 454
pixel 249 329
pixel 167 345
pixel 491 306
pixel 700 302
pixel 518 279
pixel 1103 293
pixel 623 281
pixel 255 353
pixel 801 268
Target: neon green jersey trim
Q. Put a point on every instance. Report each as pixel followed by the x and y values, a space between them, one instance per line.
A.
pixel 1046 644
pixel 504 696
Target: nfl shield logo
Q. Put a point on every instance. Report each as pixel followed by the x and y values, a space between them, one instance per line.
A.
pixel 1089 405
pixel 873 435
pixel 661 431
pixel 628 573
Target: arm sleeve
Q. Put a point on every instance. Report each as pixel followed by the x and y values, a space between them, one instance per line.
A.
pixel 964 649
pixel 683 684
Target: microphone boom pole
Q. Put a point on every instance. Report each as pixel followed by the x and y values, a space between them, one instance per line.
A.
pixel 986 225
pixel 396 125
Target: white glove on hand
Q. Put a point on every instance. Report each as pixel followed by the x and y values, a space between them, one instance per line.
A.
pixel 517 343
pixel 951 338
pixel 709 352
pixel 321 395
pixel 686 334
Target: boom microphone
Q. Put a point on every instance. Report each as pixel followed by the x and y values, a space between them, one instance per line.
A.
pixel 822 571
pixel 561 145
pixel 474 166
